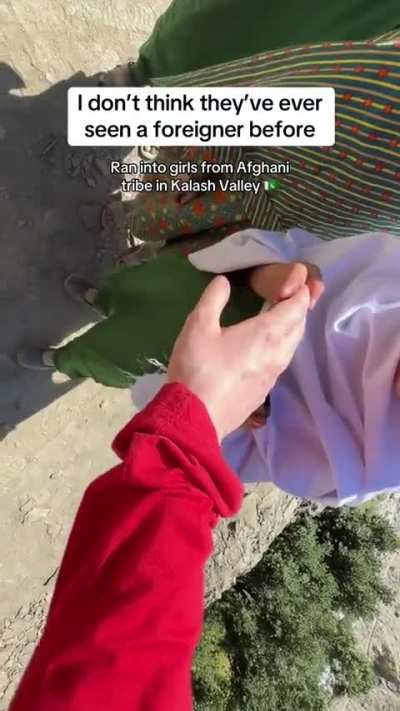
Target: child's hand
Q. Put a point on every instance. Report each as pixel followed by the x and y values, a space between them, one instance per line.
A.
pixel 276 282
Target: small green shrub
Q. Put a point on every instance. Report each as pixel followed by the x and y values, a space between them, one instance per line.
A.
pixel 356 539
pixel 268 642
pixel 213 671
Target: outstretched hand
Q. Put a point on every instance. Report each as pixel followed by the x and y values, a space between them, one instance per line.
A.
pixel 233 369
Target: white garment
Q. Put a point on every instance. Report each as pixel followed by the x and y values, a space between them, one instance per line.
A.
pixel 334 431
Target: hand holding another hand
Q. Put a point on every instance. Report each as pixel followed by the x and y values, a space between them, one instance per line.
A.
pixel 276 282
pixel 233 369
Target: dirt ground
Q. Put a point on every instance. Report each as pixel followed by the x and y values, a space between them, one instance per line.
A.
pixel 56 435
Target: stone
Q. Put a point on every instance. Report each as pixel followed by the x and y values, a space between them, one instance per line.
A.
pixel 240 543
pixel 248 513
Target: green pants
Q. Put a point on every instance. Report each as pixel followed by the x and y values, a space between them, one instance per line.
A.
pixel 193 34
pixel 146 307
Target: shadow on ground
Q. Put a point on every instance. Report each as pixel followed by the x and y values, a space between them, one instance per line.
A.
pixel 46 232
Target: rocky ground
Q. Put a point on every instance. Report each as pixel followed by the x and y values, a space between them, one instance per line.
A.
pixel 56 435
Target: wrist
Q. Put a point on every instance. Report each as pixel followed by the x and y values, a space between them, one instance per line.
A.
pixel 207 401
pixel 211 408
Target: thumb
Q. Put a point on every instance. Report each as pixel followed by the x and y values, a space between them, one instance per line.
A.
pixel 213 301
pixel 292 310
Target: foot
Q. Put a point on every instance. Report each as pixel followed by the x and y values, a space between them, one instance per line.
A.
pixel 115 215
pixel 148 152
pixel 118 76
pixel 82 290
pixel 36 359
pixel 121 75
pixel 107 218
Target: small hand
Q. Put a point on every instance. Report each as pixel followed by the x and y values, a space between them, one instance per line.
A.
pixel 276 282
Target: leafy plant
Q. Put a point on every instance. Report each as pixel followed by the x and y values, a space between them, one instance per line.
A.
pixel 270 642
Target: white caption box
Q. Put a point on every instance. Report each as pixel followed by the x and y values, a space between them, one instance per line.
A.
pixel 201 116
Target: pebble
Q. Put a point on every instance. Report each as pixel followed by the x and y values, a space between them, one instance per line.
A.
pixel 249 513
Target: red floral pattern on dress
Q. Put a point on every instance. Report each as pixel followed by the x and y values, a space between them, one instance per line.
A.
pixel 219 197
pixel 198 208
pixel 218 221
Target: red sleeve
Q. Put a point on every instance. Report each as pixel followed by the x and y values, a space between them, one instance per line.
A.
pixel 128 604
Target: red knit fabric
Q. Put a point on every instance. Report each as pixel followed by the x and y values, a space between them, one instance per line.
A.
pixel 128 604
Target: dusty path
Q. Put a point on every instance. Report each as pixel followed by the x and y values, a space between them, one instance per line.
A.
pixel 59 443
